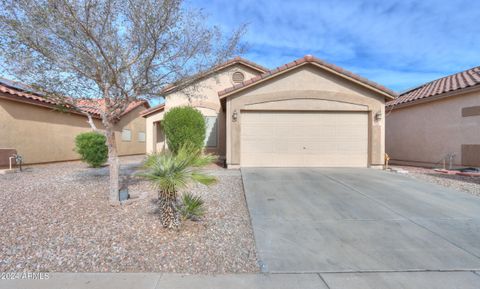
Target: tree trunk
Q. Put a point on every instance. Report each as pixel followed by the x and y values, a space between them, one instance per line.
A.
pixel 114 166
pixel 169 216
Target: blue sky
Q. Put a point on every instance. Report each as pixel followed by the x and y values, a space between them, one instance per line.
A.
pixel 400 44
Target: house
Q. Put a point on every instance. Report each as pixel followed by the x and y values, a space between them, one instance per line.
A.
pixel 35 127
pixel 437 122
pixel 205 98
pixel 304 113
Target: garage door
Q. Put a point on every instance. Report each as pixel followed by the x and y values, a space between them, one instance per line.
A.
pixel 323 139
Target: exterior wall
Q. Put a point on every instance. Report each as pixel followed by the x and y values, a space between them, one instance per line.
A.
pixel 203 96
pixel 153 124
pixel 423 134
pixel 307 88
pixel 136 124
pixel 42 135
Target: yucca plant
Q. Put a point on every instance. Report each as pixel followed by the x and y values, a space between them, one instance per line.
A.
pixel 171 173
pixel 192 207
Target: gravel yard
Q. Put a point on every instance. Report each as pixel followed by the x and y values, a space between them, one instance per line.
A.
pixel 461 183
pixel 56 218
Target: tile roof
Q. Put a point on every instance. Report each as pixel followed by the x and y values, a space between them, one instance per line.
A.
pixel 237 60
pixel 19 93
pixel 454 82
pixel 301 61
pixel 152 110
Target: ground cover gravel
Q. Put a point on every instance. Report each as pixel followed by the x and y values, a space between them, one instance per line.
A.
pixel 466 184
pixel 56 218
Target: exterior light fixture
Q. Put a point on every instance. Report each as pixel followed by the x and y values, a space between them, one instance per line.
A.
pixel 378 116
pixel 234 115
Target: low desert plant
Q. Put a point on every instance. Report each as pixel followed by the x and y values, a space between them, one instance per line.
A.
pixel 192 207
pixel 92 148
pixel 171 173
pixel 182 125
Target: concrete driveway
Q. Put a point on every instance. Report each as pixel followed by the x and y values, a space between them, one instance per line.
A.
pixel 330 220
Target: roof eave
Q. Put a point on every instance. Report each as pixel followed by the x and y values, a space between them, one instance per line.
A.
pixel 44 104
pixel 152 110
pixel 241 61
pixel 435 97
pixel 270 76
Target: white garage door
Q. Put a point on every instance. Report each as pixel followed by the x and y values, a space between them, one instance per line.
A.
pixel 310 139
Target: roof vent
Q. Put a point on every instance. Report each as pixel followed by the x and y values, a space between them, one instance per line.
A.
pixel 238 77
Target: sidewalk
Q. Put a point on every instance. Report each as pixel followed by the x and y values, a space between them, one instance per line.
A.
pixel 387 280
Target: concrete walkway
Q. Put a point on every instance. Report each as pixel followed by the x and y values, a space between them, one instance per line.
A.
pixel 354 225
pixel 411 280
pixel 335 229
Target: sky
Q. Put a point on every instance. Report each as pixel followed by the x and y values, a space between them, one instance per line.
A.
pixel 400 44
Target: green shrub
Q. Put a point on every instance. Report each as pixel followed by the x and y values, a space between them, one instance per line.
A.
pixel 183 125
pixel 192 207
pixel 92 148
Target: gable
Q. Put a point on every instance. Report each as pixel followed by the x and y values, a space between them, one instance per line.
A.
pixel 206 89
pixel 309 60
pixel 309 78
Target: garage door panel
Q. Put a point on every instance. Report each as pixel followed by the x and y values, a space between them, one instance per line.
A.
pixel 304 139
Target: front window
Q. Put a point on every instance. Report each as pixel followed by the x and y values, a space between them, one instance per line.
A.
pixel 211 134
pixel 126 135
pixel 141 136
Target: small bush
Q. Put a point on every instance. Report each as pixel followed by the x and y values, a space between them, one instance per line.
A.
pixel 183 125
pixel 92 148
pixel 192 207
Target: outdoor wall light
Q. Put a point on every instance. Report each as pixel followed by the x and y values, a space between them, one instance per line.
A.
pixel 234 115
pixel 378 115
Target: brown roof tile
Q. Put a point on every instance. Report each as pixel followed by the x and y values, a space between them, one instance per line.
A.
pixel 35 99
pixel 152 110
pixel 300 61
pixel 237 60
pixel 454 82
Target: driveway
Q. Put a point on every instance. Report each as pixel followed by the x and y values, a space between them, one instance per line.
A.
pixel 330 220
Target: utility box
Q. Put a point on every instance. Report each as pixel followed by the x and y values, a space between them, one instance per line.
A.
pixel 5 154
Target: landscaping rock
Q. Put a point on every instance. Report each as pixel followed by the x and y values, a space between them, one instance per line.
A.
pixel 56 218
pixel 468 184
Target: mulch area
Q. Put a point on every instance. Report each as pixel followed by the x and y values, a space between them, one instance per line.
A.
pixel 56 218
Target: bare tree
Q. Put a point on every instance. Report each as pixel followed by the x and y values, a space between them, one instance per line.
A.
pixel 121 51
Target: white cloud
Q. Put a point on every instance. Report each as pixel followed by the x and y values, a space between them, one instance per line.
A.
pixel 407 40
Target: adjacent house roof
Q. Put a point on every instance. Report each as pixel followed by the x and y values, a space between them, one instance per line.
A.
pixel 302 61
pixel 237 60
pixel 153 110
pixel 19 92
pixel 452 83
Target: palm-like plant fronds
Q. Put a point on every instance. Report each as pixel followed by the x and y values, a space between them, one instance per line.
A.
pixel 171 173
pixel 192 207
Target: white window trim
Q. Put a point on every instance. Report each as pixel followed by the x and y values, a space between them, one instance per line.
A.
pixel 130 134
pixel 144 136
pixel 216 132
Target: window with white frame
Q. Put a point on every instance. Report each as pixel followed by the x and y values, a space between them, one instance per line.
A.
pixel 211 133
pixel 126 135
pixel 141 136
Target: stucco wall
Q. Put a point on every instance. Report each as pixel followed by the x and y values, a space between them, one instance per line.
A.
pixel 425 133
pixel 203 96
pixel 41 134
pixel 136 124
pixel 307 88
pixel 152 124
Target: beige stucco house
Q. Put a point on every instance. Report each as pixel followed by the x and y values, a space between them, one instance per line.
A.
pixel 304 113
pixel 436 122
pixel 37 130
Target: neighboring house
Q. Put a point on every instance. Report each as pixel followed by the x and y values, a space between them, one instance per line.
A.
pixel 41 133
pixel 304 113
pixel 437 121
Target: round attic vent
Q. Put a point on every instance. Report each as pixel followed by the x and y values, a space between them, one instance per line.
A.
pixel 238 77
